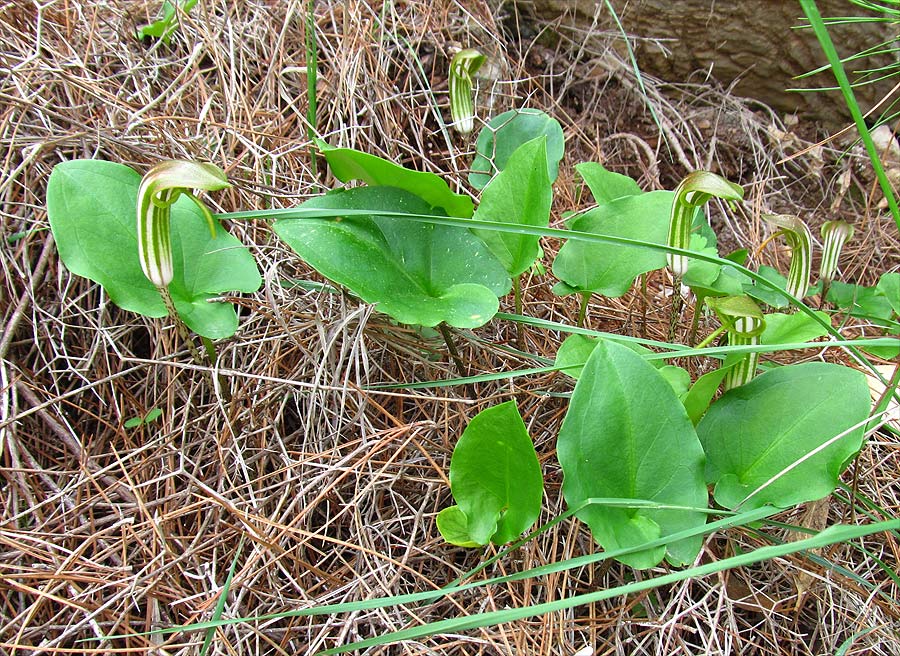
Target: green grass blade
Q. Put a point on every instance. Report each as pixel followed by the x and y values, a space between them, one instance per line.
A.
pixel 223 598
pixel 729 521
pixel 821 31
pixel 312 81
pixel 832 535
pixel 719 352
pixel 848 643
pixel 634 65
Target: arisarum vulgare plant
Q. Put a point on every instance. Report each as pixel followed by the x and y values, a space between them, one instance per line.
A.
pixel 160 188
pixel 154 252
pixel 799 238
pixel 692 193
pixel 743 321
pixel 834 235
pixel 462 108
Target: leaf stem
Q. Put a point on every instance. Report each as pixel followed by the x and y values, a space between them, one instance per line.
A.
pixel 695 320
pixel 185 336
pixel 582 310
pixel 517 296
pixel 312 71
pixel 210 348
pixel 451 346
pixel 179 325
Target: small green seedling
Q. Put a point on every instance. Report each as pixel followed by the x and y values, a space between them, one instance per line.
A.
pixel 164 27
pixel 145 420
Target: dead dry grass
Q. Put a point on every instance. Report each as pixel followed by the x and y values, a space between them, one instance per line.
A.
pixel 334 490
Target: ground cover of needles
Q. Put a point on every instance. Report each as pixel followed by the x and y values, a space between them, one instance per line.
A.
pixel 107 529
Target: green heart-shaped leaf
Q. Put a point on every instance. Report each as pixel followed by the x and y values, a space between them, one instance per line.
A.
pixel 764 441
pixel 575 350
pixel 454 527
pixel 793 328
pixel 889 287
pixel 605 185
pixel 610 269
pixel 495 478
pixel 621 438
pixel 348 164
pixel 500 138
pixel 520 193
pixel 418 273
pixel 860 301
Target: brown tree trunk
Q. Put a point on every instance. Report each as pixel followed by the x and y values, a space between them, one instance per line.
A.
pixel 753 45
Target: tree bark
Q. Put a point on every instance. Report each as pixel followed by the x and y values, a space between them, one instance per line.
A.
pixel 752 46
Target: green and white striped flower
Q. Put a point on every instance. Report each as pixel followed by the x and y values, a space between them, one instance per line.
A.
pixel 462 107
pixel 693 192
pixel 159 189
pixel 834 234
pixel 744 323
pixel 799 238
